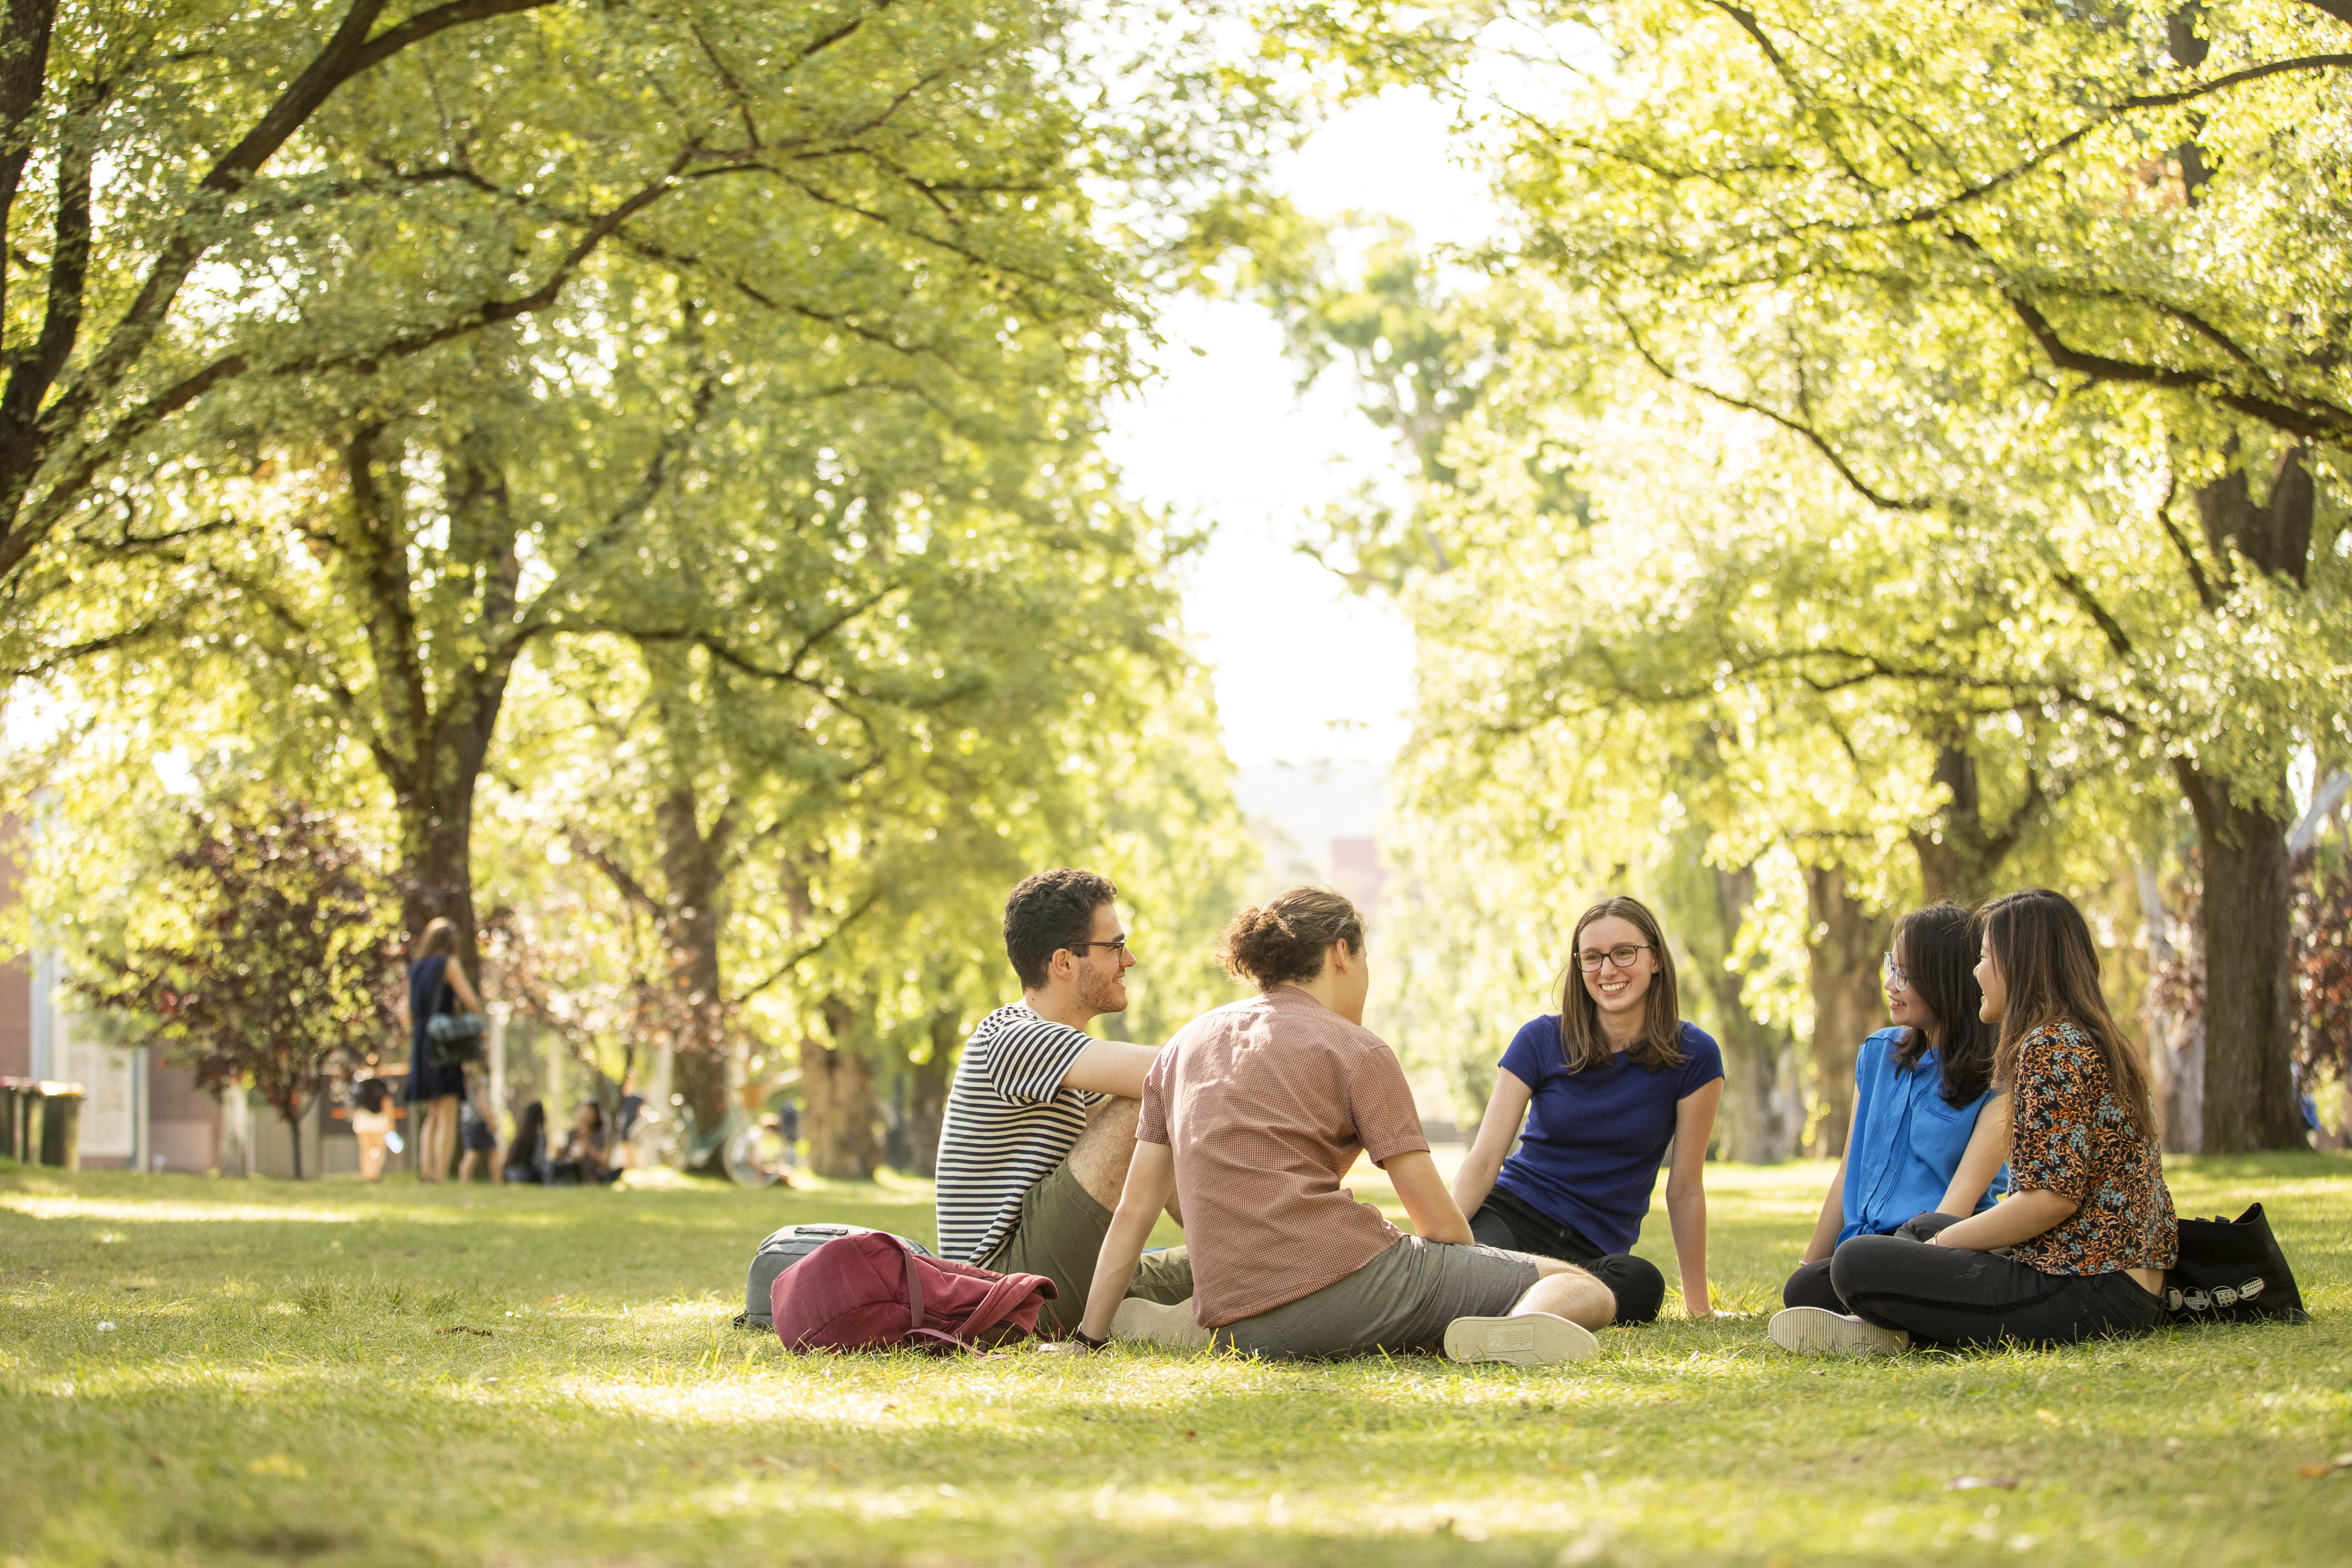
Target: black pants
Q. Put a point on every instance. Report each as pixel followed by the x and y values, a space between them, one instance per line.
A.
pixel 1504 1221
pixel 1809 1287
pixel 1946 1296
pixel 1809 1284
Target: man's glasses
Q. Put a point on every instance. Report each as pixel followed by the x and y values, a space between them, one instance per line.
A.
pixel 1117 944
pixel 1592 958
pixel 1895 979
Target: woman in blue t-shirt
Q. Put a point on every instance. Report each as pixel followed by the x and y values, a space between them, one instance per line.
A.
pixel 1604 1087
pixel 1928 1132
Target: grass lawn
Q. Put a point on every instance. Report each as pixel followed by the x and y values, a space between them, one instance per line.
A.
pixel 203 1371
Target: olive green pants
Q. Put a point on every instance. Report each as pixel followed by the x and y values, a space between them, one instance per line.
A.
pixel 1060 1234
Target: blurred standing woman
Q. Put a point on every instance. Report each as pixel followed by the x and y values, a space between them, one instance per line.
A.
pixel 1605 1088
pixel 1930 1132
pixel 436 984
pixel 2079 1248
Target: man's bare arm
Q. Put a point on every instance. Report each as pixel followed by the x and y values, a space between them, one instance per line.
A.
pixel 1111 1066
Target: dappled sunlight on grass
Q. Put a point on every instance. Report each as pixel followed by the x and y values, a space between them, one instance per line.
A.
pixel 42 1206
pixel 565 1356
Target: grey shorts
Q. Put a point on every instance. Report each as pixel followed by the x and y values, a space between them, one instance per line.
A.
pixel 1400 1300
pixel 1060 1234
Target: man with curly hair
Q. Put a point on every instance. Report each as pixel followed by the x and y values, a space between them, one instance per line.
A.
pixel 1040 1123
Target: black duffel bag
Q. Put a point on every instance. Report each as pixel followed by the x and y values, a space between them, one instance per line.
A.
pixel 2231 1271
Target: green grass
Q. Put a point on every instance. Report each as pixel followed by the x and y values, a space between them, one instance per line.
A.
pixel 526 1377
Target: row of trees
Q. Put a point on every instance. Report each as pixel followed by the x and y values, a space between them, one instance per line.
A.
pixel 633 464
pixel 1893 452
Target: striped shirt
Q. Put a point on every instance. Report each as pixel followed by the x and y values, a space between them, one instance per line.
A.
pixel 1009 1122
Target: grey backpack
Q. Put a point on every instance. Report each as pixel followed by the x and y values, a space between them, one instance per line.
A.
pixel 783 1249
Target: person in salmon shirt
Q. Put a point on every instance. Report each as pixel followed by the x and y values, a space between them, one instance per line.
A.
pixel 1251 1117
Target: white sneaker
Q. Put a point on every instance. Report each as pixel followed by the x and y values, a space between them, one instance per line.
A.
pixel 1154 1324
pixel 1528 1338
pixel 1815 1331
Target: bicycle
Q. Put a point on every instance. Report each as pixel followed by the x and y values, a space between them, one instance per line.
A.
pixel 753 1151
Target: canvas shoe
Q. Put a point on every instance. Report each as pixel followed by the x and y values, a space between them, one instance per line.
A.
pixel 1154 1324
pixel 1815 1331
pixel 1528 1338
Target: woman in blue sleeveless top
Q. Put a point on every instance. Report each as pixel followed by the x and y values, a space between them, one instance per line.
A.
pixel 436 984
pixel 1930 1133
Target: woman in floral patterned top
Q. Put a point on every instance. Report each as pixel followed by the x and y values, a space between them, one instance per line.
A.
pixel 2079 1248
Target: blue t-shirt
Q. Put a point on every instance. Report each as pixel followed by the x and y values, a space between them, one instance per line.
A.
pixel 1908 1140
pixel 1589 1157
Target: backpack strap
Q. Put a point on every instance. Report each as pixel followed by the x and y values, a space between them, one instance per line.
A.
pixel 914 1293
pixel 916 1328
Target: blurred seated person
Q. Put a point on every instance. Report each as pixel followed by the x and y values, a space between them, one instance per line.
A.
pixel 586 1156
pixel 526 1156
pixel 478 1137
pixel 372 1121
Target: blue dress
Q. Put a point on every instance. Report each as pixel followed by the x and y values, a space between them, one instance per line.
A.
pixel 1908 1140
pixel 429 993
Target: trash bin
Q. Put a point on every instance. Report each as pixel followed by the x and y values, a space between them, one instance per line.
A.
pixel 12 1106
pixel 61 1125
pixel 40 1122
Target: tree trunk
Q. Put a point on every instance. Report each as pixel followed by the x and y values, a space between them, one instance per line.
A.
pixel 1846 944
pixel 2249 1023
pixel 2172 1010
pixel 927 1103
pixel 838 1101
pixel 436 871
pixel 690 921
pixel 1755 1128
pixel 431 744
pixel 293 1120
pixel 2249 941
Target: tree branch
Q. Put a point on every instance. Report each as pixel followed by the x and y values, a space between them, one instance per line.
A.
pixel 812 950
pixel 2324 423
pixel 1819 443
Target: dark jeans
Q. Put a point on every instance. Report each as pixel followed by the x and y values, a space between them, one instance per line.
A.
pixel 1951 1297
pixel 1504 1221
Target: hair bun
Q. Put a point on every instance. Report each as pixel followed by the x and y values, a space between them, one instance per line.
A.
pixel 1286 938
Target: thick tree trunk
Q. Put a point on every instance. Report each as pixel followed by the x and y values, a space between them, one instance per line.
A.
pixel 437 872
pixel 690 923
pixel 1846 946
pixel 432 732
pixel 2249 1023
pixel 926 1100
pixel 837 1113
pixel 2172 1010
pixel 1755 1127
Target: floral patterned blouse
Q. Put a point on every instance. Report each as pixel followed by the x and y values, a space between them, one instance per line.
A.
pixel 2072 1136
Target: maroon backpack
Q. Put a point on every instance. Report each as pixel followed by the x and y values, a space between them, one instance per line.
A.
pixel 868 1292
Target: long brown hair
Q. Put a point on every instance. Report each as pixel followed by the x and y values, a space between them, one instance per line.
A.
pixel 2051 967
pixel 1659 1045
